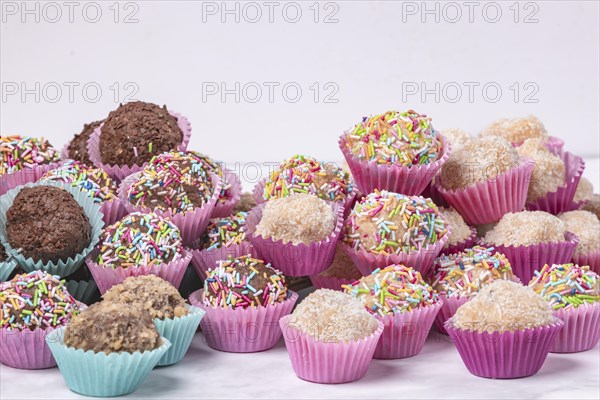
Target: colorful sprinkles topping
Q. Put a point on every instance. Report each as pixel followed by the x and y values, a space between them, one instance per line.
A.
pixel 215 167
pixel 244 282
pixel 302 174
pixel 463 274
pixel 402 223
pixel 566 285
pixel 395 289
pixel 94 181
pixel 399 138
pixel 35 300
pixel 22 152
pixel 139 239
pixel 224 232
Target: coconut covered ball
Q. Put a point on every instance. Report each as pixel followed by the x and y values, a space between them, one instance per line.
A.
pixel 517 130
pixel 464 274
pixel 332 316
pixel 548 172
pixel 342 267
pixel 392 290
pixel 19 153
pixel 586 226
pixel 567 285
pixel 456 137
pixel 302 218
pixel 157 296
pixel 460 231
pixel 525 228
pixel 585 190
pixel 480 160
pixel 93 181
pixel 391 223
pixel 395 138
pixel 593 205
pixel 503 306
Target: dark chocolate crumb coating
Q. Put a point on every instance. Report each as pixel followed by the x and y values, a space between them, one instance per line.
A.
pixel 113 328
pixel 78 146
pixel 47 224
pixel 137 131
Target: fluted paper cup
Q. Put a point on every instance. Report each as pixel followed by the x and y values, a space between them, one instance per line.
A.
pixel 29 175
pixel 461 246
pixel 330 282
pixel 591 258
pixel 6 268
pixel 179 331
pixel 203 259
pixel 554 144
pixel 26 349
pixel 581 331
pixel 234 186
pixel 112 211
pixel 447 310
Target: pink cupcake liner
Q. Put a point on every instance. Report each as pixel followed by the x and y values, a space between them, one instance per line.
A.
pixel 561 200
pixel 26 349
pixel 119 172
pixel 447 311
pixel 524 260
pixel 247 330
pixel 461 246
pixel 108 277
pixel 64 152
pixel 330 282
pixel 191 224
pixel 369 175
pixel 225 209
pixel 12 180
pixel 504 355
pixel 591 258
pixel 295 260
pixel 421 260
pixel 554 144
pixel 258 190
pixel 328 362
pixel 434 194
pixel 203 259
pixel 488 201
pixel 112 210
pixel 404 334
pixel 581 331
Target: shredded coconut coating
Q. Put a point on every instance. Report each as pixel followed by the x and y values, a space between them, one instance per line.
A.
pixel 460 230
pixel 503 306
pixel 517 130
pixel 482 159
pixel 525 228
pixel 548 172
pixel 302 218
pixel 333 316
pixel 456 137
pixel 593 205
pixel 586 226
pixel 157 296
pixel 567 285
pixel 342 266
pixel 585 190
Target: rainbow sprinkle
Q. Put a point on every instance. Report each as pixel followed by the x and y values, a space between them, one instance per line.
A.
pixel 398 138
pixel 566 285
pixel 35 300
pixel 94 181
pixel 215 167
pixel 22 152
pixel 224 232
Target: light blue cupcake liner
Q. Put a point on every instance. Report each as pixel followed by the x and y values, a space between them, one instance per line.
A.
pixel 101 374
pixel 62 267
pixel 83 291
pixel 180 332
pixel 6 268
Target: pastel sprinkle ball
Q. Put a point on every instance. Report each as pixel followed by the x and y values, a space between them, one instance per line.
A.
pixel 139 239
pixel 394 289
pixel 390 223
pixel 22 152
pixel 244 282
pixel 215 167
pixel 36 300
pixel 174 181
pixel 395 138
pixel 303 174
pixel 566 285
pixel 465 273
pixel 224 232
pixel 93 181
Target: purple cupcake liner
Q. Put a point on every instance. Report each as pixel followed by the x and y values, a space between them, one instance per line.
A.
pixel 204 259
pixel 26 349
pixel 591 258
pixel 554 144
pixel 247 330
pixel 581 331
pixel 12 180
pixel 113 210
pixel 447 311
pixel 330 282
pixel 224 209
pixel 461 246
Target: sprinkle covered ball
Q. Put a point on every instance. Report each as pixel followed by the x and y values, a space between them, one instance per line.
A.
pixel 224 232
pixel 566 285
pixel 94 181
pixel 23 152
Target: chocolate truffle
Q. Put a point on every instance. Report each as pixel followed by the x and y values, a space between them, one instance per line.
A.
pixel 113 328
pixel 94 181
pixel 517 130
pixel 391 223
pixel 152 293
pixel 333 316
pixel 593 205
pixel 464 274
pixel 214 167
pixel 456 137
pixel 567 285
pixel 548 172
pixel 36 300
pixel 139 239
pixel 135 132
pixel 393 290
pixel 395 138
pixel 23 152
pixel 525 228
pixel 246 203
pixel 586 226
pixel 47 224
pixel 503 306
pixel 460 231
pixel 224 232
pixel 244 282
pixel 302 218
pixel 77 147
pixel 480 160
pixel 585 190
pixel 342 266
pixel 174 182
